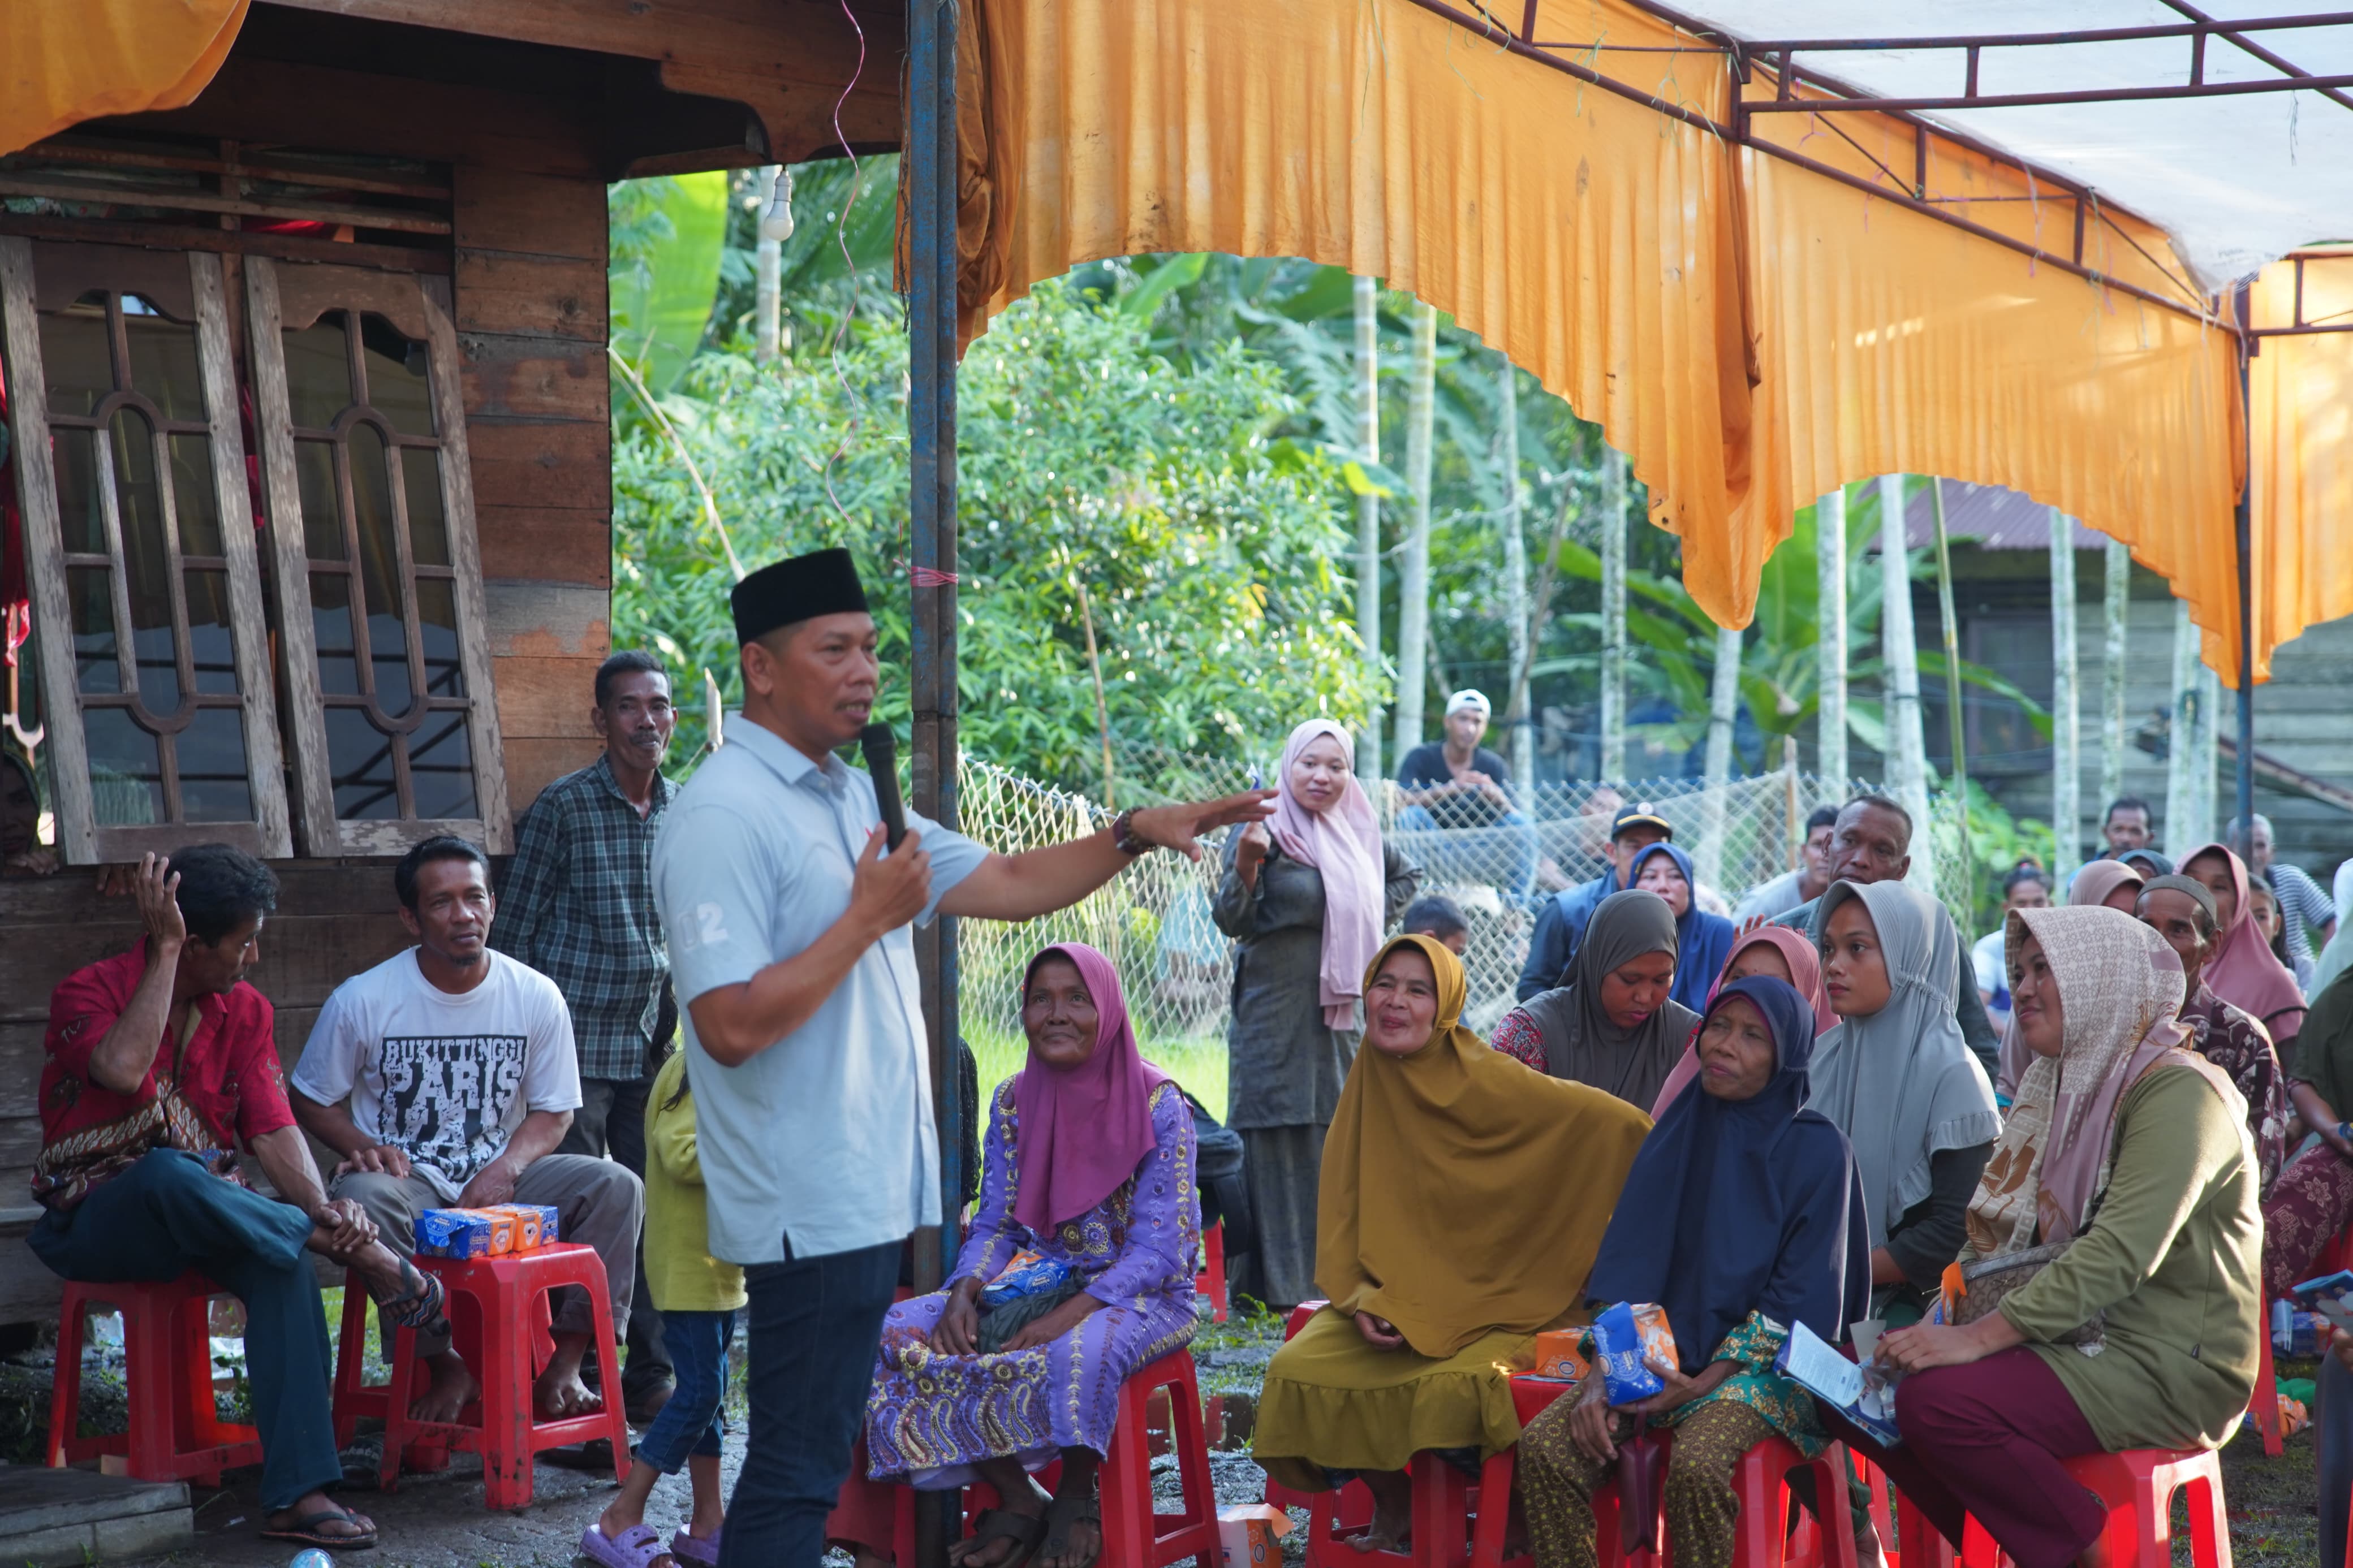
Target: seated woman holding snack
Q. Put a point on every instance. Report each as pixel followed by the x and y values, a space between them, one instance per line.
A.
pixel 1899 1080
pixel 1087 1202
pixel 2141 1333
pixel 1462 1200
pixel 1750 1219
pixel 1769 953
pixel 1610 1023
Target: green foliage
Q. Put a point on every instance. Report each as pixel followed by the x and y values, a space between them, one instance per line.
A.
pixel 666 236
pixel 1208 546
pixel 828 264
pixel 1997 842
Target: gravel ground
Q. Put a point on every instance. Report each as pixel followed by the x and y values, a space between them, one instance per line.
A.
pixel 438 1521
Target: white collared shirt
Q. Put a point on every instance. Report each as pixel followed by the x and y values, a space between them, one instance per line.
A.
pixel 825 1140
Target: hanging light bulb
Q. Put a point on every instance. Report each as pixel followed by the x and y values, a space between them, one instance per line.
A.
pixel 777 222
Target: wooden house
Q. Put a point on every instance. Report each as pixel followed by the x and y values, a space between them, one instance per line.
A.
pixel 308 409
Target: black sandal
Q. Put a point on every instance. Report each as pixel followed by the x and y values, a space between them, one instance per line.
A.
pixel 1024 1531
pixel 418 1306
pixel 304 1531
pixel 1058 1521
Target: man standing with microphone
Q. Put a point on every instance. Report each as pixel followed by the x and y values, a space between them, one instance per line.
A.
pixel 795 972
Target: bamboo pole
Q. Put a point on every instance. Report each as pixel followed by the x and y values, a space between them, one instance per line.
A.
pixel 767 267
pixel 1829 609
pixel 2186 826
pixel 1723 710
pixel 1102 708
pixel 1515 580
pixel 2066 738
pixel 2116 615
pixel 1413 565
pixel 1613 615
pixel 1907 771
pixel 1956 719
pixel 1369 524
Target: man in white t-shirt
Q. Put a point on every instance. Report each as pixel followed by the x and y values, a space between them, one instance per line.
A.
pixel 444 1077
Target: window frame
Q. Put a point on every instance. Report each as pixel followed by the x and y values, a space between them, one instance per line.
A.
pixel 81 839
pixel 418 306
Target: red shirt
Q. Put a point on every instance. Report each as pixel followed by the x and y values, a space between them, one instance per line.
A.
pixel 225 1086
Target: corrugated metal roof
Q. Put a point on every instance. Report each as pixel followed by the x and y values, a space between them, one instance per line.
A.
pixel 1995 518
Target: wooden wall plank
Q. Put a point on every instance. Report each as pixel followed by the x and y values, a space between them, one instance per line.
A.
pixel 533 765
pixel 552 544
pixel 554 297
pixel 534 377
pixel 542 464
pixel 548 620
pixel 546 698
pixel 527 213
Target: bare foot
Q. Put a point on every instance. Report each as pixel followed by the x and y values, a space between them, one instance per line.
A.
pixel 453 1389
pixel 559 1393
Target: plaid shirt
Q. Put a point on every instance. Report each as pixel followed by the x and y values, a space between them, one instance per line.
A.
pixel 577 905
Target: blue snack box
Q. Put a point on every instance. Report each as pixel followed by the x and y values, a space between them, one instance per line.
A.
pixel 1617 1350
pixel 454 1232
pixel 548 1229
pixel 1027 1275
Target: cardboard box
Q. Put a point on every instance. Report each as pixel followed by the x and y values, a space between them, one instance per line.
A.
pixel 1247 1532
pixel 465 1233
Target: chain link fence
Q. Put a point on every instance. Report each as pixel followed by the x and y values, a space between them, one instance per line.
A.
pixel 1176 966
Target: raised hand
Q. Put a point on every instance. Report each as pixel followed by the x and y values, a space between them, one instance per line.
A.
pixel 1180 828
pixel 159 901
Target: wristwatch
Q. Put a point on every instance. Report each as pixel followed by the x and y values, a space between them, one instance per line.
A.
pixel 1124 837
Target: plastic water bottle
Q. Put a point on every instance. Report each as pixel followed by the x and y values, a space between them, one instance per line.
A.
pixel 312 1557
pixel 2283 1337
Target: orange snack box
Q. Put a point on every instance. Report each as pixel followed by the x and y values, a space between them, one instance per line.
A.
pixel 1658 1339
pixel 1557 1355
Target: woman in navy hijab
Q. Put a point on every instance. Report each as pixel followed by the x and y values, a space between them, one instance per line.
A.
pixel 1742 1217
pixel 1703 941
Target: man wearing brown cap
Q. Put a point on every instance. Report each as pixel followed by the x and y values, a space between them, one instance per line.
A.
pixel 794 972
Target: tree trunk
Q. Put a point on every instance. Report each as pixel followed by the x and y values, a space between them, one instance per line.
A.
pixel 1413 567
pixel 2117 608
pixel 2186 823
pixel 1613 615
pixel 1516 629
pixel 2067 752
pixel 1368 525
pixel 1829 586
pixel 1722 712
pixel 768 263
pixel 1908 752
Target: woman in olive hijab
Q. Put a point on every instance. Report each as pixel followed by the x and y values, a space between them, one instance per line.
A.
pixel 1610 1023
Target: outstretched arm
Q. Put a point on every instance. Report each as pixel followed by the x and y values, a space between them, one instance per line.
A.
pixel 1039 882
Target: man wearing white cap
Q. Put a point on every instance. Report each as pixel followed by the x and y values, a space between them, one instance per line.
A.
pixel 1458 785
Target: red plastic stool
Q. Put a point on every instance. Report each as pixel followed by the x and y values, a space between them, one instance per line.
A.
pixel 1211 1280
pixel 354 1396
pixel 497 1309
pixel 1531 1396
pixel 2262 1404
pixel 177 1432
pixel 2137 1486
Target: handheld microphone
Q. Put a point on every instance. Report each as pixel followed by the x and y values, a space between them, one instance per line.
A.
pixel 881 750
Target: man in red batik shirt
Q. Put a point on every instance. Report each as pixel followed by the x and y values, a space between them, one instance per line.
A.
pixel 159 1065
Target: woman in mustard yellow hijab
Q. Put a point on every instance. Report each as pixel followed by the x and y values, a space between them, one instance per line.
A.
pixel 1463 1198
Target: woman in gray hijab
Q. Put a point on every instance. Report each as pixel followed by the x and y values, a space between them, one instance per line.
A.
pixel 1611 1024
pixel 1900 1081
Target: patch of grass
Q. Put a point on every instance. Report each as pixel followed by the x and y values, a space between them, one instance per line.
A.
pixel 1197 1065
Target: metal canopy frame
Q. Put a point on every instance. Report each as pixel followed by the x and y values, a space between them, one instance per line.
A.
pixel 1743 58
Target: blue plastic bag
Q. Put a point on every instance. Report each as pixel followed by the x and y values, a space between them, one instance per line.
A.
pixel 1617 1350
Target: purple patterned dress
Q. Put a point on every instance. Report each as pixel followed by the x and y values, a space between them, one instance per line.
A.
pixel 932 1417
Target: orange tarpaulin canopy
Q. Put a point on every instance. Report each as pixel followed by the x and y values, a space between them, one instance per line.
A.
pixel 64 61
pixel 1750 332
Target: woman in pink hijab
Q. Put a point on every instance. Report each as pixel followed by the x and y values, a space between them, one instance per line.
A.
pixel 1306 896
pixel 2244 972
pixel 1776 952
pixel 1088 1201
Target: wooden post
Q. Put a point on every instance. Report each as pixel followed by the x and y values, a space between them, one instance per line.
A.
pixel 2066 748
pixel 1830 612
pixel 1368 525
pixel 1413 565
pixel 1613 615
pixel 931 153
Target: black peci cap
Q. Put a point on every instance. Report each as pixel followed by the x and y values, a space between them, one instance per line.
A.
pixel 822 582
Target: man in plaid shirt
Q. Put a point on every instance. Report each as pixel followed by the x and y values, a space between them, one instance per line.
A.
pixel 577 905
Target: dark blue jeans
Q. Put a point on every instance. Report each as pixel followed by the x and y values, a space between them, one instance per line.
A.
pixel 167 1215
pixel 816 1325
pixel 692 1422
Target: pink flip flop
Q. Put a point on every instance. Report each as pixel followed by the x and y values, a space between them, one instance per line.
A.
pixel 694 1549
pixel 635 1548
